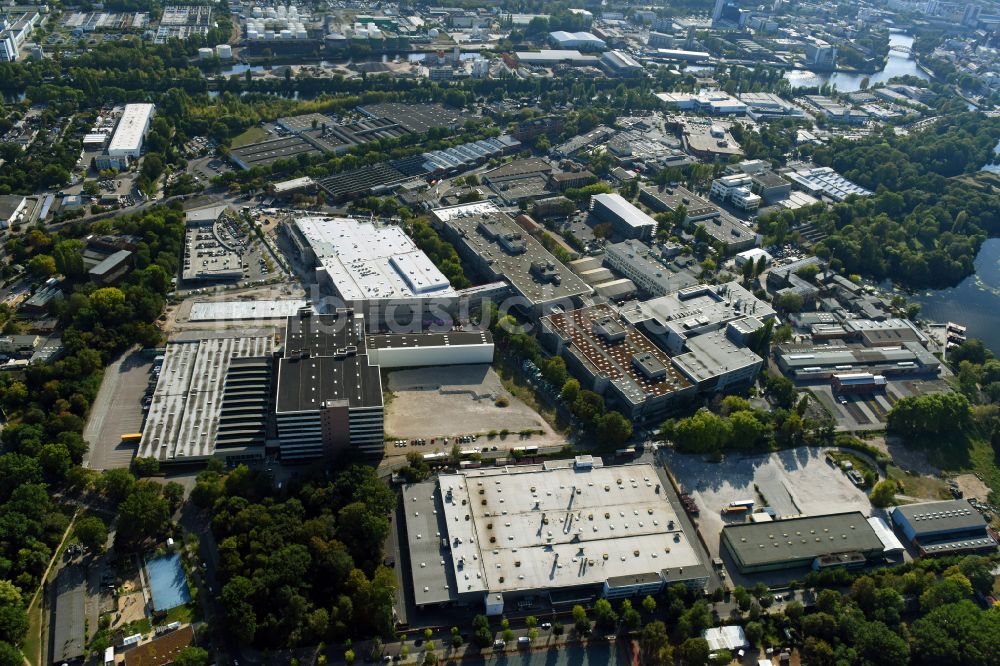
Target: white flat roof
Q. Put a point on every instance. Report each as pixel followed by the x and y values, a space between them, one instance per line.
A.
pixel 512 529
pixel 131 128
pixel 226 310
pixel 369 262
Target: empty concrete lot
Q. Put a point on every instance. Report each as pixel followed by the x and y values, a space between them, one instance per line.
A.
pixel 793 482
pixel 116 411
pixel 457 400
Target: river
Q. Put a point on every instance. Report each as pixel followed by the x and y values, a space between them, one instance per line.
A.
pixel 975 302
pixel 897 64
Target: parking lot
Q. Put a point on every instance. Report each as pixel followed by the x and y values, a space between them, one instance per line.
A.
pixel 793 482
pixel 431 403
pixel 117 411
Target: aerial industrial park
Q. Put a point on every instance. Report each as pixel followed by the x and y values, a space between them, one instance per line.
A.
pixel 559 334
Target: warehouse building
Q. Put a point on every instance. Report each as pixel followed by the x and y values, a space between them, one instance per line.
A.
pixel 358 261
pixel 943 528
pixel 619 63
pixel 561 533
pixel 626 220
pixel 675 318
pixel 131 130
pixel 329 388
pixel 499 249
pixel 616 360
pixel 815 362
pixel 820 542
pixel 584 41
pixel 211 398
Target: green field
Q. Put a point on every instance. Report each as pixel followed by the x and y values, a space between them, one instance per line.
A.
pixel 252 135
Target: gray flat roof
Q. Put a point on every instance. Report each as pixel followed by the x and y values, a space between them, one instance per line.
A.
pixel 111 262
pixel 727 229
pixel 935 517
pixel 623 210
pixel 229 310
pixel 70 614
pixel 793 539
pixel 427 538
pixel 713 354
pixel 471 223
pixel 304 384
pixel 526 530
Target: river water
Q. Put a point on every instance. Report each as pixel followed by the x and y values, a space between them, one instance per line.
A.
pixel 898 64
pixel 975 302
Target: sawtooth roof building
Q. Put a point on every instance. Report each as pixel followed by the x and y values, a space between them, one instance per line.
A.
pixel 566 531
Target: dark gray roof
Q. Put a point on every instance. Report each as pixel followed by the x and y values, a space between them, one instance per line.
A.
pixel 111 262
pixel 759 544
pixel 323 335
pixel 305 384
pixel 936 517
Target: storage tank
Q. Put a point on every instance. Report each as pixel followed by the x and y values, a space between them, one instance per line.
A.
pixel 270 13
pixel 285 34
pixel 269 34
pixel 256 12
pixel 224 51
pixel 282 11
pixel 432 33
pixel 205 53
pixel 253 34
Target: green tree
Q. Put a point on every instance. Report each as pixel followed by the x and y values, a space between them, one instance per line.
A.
pixel 581 620
pixel 605 615
pixel 192 656
pixel 884 493
pixel 570 391
pixel 92 533
pixel 649 604
pixel 144 514
pixel 13 616
pixel 654 643
pixel 630 617
pixel 482 634
pixel 694 652
pixel 614 429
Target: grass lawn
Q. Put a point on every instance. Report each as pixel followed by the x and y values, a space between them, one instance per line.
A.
pixel 916 485
pixel 977 458
pixel 184 614
pixel 252 135
pixel 143 626
pixel 33 641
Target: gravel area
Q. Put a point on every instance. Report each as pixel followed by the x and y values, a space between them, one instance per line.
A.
pixel 457 400
pixel 796 481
